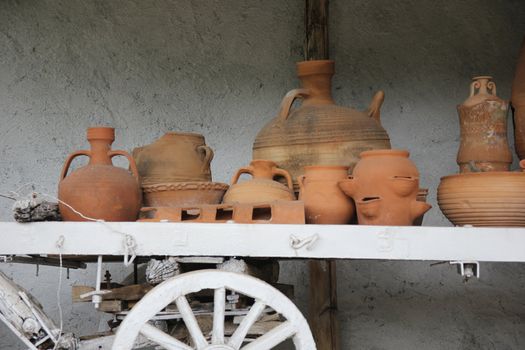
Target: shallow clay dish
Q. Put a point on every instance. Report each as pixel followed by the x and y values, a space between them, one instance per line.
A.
pixel 176 194
pixel 483 199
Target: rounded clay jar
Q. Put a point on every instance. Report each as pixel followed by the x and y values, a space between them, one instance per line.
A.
pixel 99 190
pixel 324 202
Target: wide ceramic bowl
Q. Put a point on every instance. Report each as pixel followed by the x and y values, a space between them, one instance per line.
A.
pixel 176 194
pixel 484 199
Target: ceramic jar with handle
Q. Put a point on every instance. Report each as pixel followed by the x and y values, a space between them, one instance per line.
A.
pixel 324 202
pixel 99 190
pixel 262 187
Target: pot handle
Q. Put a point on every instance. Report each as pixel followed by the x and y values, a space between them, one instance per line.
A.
pixel 288 99
pixel 208 157
pixel 374 109
pixel 132 164
pixel 70 158
pixel 285 174
pixel 243 170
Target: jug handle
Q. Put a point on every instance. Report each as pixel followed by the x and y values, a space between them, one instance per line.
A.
pixel 285 174
pixel 243 170
pixel 132 164
pixel 289 98
pixel 70 158
pixel 374 109
pixel 208 157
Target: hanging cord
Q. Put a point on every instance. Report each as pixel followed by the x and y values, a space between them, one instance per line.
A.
pixel 59 245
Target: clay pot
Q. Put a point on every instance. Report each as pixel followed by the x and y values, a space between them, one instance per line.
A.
pixel 319 132
pixel 179 194
pixel 175 157
pixel 483 124
pixel 324 202
pixel 422 195
pixel 484 199
pixel 262 187
pixel 518 102
pixel 100 190
pixel 385 186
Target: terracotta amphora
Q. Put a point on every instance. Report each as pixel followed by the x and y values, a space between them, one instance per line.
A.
pixel 385 186
pixel 262 187
pixel 175 157
pixel 518 103
pixel 319 132
pixel 324 202
pixel 99 190
pixel 483 129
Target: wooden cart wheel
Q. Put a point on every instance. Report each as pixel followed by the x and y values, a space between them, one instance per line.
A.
pixel 176 289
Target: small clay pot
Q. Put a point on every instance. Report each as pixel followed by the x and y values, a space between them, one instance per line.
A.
pixel 175 157
pixel 179 194
pixel 518 102
pixel 384 186
pixel 483 125
pixel 262 187
pixel 324 202
pixel 99 190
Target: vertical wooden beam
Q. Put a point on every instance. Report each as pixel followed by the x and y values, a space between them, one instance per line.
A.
pixel 322 313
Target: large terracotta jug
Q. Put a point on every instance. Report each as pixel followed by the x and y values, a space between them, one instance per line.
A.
pixel 262 187
pixel 518 102
pixel 483 129
pixel 99 190
pixel 319 132
pixel 175 157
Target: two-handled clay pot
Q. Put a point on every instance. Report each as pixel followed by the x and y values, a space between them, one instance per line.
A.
pixel 175 157
pixel 99 190
pixel 262 187
pixel 385 186
pixel 324 202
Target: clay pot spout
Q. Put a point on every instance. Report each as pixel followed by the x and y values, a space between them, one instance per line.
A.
pixel 417 209
pixel 347 186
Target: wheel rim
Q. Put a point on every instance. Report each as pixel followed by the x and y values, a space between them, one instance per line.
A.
pixel 176 289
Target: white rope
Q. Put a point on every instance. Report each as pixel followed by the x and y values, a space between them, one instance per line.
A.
pixel 59 245
pixel 308 242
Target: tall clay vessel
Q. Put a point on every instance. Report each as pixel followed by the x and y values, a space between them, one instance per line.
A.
pixel 99 190
pixel 518 102
pixel 483 124
pixel 319 132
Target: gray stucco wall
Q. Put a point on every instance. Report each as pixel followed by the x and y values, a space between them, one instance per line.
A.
pixel 220 68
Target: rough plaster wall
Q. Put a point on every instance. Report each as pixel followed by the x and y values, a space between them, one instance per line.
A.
pixel 220 68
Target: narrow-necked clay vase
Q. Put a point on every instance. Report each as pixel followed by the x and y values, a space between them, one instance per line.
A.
pixel 384 186
pixel 483 129
pixel 175 157
pixel 100 190
pixel 518 102
pixel 262 187
pixel 324 202
pixel 319 131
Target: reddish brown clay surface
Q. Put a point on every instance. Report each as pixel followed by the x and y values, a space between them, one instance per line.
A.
pixel 175 157
pixel 518 102
pixel 324 202
pixel 100 190
pixel 277 212
pixel 384 186
pixel 484 199
pixel 262 187
pixel 422 195
pixel 483 124
pixel 319 132
pixel 178 194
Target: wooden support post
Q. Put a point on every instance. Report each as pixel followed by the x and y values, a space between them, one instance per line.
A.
pixel 322 311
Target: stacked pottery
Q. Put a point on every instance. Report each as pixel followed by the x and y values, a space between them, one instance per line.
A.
pixel 99 190
pixel 385 187
pixel 262 187
pixel 518 102
pixel 175 171
pixel 319 132
pixel 324 202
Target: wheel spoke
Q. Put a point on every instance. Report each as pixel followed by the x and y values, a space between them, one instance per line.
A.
pixel 248 321
pixel 165 340
pixel 219 304
pixel 273 338
pixel 191 322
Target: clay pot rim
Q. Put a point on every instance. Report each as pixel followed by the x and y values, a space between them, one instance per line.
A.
pixel 385 152
pixel 182 133
pixel 305 68
pixel 479 77
pixel 484 174
pixel 330 167
pixel 101 133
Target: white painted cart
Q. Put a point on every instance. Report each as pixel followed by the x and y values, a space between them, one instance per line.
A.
pixel 465 246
